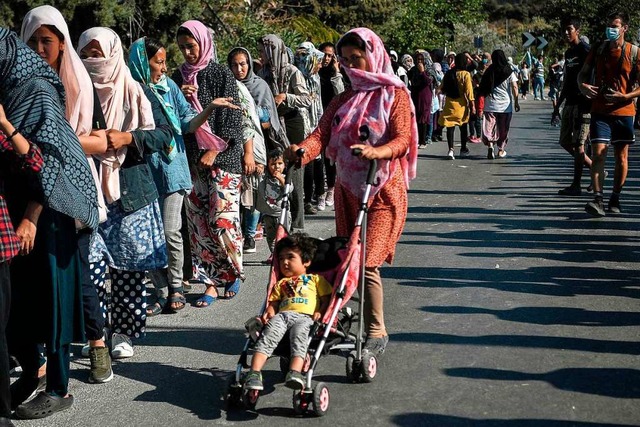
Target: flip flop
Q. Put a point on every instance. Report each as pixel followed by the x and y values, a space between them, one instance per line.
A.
pixel 205 301
pixel 232 287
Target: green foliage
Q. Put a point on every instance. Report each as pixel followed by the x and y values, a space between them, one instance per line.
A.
pixel 429 24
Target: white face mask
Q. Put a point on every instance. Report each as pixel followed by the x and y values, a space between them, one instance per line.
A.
pixel 612 34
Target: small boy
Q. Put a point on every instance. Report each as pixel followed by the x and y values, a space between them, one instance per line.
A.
pixel 296 302
pixel 270 194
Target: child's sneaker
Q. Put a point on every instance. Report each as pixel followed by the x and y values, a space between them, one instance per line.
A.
pixel 253 381
pixel 294 380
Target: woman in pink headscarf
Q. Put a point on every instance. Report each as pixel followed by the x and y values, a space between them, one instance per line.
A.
pixel 215 155
pixel 378 109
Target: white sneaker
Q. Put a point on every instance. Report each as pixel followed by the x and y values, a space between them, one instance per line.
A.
pixel 121 346
pixel 322 202
pixel 450 155
pixel 328 200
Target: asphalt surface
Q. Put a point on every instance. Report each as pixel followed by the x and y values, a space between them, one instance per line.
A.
pixel 506 306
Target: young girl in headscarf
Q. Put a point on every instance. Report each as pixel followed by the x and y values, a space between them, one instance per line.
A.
pixel 46 32
pixel 378 107
pixel 215 154
pixel 131 240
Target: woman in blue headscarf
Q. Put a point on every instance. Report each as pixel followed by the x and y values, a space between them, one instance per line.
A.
pixel 147 61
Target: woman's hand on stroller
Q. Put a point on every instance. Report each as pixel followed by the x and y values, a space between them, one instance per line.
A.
pixel 370 152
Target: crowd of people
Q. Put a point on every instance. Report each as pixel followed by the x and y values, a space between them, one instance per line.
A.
pixel 114 173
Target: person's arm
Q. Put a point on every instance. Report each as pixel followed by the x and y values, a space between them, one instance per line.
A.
pixel 298 95
pixel 271 311
pixel 94 143
pixel 588 90
pixel 199 120
pixel 514 92
pixel 400 121
pixel 324 304
pixel 248 160
pixel 18 141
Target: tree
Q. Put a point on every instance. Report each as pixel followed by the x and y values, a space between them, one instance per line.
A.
pixel 421 24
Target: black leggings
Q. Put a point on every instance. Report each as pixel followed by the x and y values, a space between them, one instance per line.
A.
pixel 313 180
pixel 463 136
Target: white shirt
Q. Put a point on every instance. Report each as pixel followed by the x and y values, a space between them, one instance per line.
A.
pixel 499 101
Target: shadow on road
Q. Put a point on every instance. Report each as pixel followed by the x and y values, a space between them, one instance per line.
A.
pixel 424 419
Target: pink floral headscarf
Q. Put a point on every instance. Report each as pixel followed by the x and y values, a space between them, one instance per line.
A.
pixel 364 118
pixel 207 140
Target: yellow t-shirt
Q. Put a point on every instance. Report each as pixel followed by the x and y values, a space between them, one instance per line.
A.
pixel 300 294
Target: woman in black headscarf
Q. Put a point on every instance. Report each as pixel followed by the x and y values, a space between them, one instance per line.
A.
pixel 499 86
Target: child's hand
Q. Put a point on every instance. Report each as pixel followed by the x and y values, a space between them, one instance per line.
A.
pixel 316 316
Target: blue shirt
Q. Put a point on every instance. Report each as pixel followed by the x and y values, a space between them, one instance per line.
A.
pixel 172 176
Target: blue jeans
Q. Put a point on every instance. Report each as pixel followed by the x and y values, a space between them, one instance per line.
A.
pixel 538 85
pixel 250 223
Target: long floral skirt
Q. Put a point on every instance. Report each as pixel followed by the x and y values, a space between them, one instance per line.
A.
pixel 213 216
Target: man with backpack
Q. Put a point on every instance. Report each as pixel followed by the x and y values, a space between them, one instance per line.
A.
pixel 616 69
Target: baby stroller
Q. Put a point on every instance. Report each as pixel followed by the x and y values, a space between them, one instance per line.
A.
pixel 340 260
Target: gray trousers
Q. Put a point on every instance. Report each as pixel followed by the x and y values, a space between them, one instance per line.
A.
pixel 171 277
pixel 295 133
pixel 299 326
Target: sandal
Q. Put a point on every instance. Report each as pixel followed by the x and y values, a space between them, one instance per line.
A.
pixel 206 300
pixel 157 307
pixel 231 288
pixel 176 297
pixel 43 405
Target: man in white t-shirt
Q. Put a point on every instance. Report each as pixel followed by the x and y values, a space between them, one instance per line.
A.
pixel 499 86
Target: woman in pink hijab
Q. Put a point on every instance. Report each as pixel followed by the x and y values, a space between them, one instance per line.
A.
pixel 375 115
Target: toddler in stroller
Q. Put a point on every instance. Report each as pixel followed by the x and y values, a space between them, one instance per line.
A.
pixel 295 303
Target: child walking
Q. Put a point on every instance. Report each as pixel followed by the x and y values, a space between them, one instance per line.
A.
pixel 297 300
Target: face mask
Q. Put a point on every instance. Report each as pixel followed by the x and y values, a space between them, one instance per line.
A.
pixel 612 34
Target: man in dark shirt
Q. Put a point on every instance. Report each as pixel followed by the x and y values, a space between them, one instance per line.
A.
pixel 576 112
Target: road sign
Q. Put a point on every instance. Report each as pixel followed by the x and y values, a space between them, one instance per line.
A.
pixel 542 43
pixel 528 39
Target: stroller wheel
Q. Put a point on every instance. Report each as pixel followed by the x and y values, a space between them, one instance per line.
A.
pixel 353 368
pixel 233 394
pixel 369 367
pixel 300 402
pixel 284 365
pixel 320 399
pixel 250 399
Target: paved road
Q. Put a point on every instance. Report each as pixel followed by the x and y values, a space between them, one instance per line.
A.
pixel 506 306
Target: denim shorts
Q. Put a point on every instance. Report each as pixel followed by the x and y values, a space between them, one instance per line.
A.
pixel 612 129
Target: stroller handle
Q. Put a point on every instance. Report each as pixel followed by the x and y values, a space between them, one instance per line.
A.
pixel 373 165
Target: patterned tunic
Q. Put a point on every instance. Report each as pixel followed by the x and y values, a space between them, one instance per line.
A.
pixel 388 208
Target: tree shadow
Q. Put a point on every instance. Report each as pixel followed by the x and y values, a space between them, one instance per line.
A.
pixel 437 420
pixel 611 382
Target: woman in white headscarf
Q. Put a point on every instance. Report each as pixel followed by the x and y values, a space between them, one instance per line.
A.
pixel 131 240
pixel 46 32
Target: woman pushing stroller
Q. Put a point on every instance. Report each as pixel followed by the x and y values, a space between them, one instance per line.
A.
pixel 375 116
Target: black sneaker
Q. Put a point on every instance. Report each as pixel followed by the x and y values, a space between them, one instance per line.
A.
pixel 614 205
pixel 376 345
pixel 249 245
pixel 491 154
pixel 464 152
pixel 570 191
pixel 595 208
pixel 294 380
pixel 253 381
pixel 309 209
